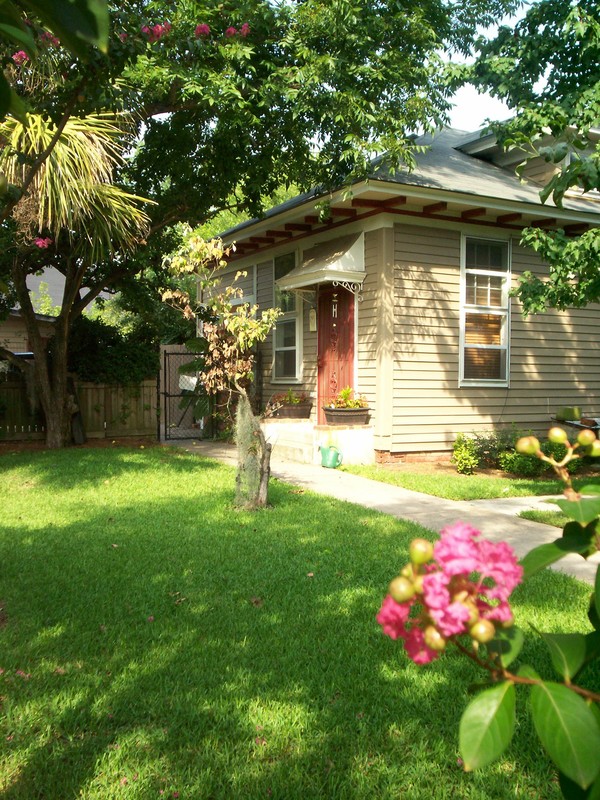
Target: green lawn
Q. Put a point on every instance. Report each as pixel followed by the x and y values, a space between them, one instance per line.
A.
pixel 453 486
pixel 556 518
pixel 156 643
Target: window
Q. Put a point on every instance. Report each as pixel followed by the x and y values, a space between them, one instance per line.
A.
pixel 286 347
pixel 485 313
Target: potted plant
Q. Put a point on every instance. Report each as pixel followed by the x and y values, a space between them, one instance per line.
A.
pixel 289 405
pixel 346 408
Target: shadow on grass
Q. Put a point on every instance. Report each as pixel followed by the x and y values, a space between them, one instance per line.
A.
pixel 224 655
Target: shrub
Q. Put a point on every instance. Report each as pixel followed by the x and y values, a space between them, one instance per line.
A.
pixel 524 466
pixel 489 445
pixel 558 451
pixel 100 353
pixel 464 455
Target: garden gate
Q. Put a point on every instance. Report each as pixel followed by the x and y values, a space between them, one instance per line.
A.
pixel 179 396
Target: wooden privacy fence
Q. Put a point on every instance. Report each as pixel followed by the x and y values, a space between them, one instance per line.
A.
pixel 118 410
pixel 106 410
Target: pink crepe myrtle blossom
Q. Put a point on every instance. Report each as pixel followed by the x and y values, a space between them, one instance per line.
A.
pixel 202 30
pixel 231 31
pixel 20 57
pixel 42 243
pixel 465 586
pixel 156 32
pixel 245 30
pixel 49 38
pixel 123 37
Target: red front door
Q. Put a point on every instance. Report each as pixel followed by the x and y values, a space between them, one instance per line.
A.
pixel 335 343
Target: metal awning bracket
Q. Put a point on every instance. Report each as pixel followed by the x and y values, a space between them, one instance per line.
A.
pixel 354 288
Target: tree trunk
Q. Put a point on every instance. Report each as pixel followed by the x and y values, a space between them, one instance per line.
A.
pixel 265 474
pixel 51 379
pixel 52 389
pixel 254 458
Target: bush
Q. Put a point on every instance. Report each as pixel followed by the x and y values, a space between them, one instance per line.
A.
pixel 558 452
pixel 522 465
pixel 100 353
pixel 490 444
pixel 464 455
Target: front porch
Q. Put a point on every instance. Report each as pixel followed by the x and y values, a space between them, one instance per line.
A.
pixel 300 439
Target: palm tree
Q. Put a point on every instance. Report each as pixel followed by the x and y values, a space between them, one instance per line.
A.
pixel 72 216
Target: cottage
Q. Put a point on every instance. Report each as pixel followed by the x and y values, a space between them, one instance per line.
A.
pixel 400 289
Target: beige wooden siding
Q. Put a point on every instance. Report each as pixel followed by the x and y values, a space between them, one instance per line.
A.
pixel 367 311
pixel 242 280
pixel 14 336
pixel 426 335
pixel 553 357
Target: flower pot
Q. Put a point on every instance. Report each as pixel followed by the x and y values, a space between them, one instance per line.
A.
pixel 294 411
pixel 346 416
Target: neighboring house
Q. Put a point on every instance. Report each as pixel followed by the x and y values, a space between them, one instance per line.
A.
pixel 13 333
pixel 403 293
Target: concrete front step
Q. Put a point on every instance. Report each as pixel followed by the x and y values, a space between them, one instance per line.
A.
pixel 300 441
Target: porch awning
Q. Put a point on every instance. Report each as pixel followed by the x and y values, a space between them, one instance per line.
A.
pixel 341 260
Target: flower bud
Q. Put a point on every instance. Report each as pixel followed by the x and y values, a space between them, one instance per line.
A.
pixel 595 449
pixel 401 589
pixel 433 638
pixel 482 631
pixel 527 446
pixel 557 435
pixel 586 438
pixel 418 584
pixel 420 551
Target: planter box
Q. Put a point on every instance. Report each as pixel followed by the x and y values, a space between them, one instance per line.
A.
pixel 294 411
pixel 346 416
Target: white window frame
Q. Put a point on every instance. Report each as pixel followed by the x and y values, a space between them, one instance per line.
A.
pixel 501 311
pixel 294 316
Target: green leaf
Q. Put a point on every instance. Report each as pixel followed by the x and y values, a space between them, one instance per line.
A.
pixel 75 22
pixel 592 646
pixel 593 615
pixel 590 488
pixel 571 791
pixel 197 345
pixel 506 645
pixel 568 731
pixel 13 27
pixel 10 101
pixel 584 510
pixel 567 651
pixel 487 725
pixel 17 34
pixel 5 93
pixel 597 592
pixel 527 671
pixel 546 554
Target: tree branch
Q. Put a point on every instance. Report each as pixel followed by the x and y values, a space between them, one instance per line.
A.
pixel 498 673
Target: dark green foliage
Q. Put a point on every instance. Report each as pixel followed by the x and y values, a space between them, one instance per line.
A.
pixel 523 465
pixel 546 70
pixel 496 450
pixel 102 354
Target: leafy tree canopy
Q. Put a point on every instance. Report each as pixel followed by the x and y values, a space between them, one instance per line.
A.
pixel 216 105
pixel 546 70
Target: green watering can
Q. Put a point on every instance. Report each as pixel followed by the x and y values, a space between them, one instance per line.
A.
pixel 330 457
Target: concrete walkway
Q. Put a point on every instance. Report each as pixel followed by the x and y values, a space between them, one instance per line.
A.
pixel 497 519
